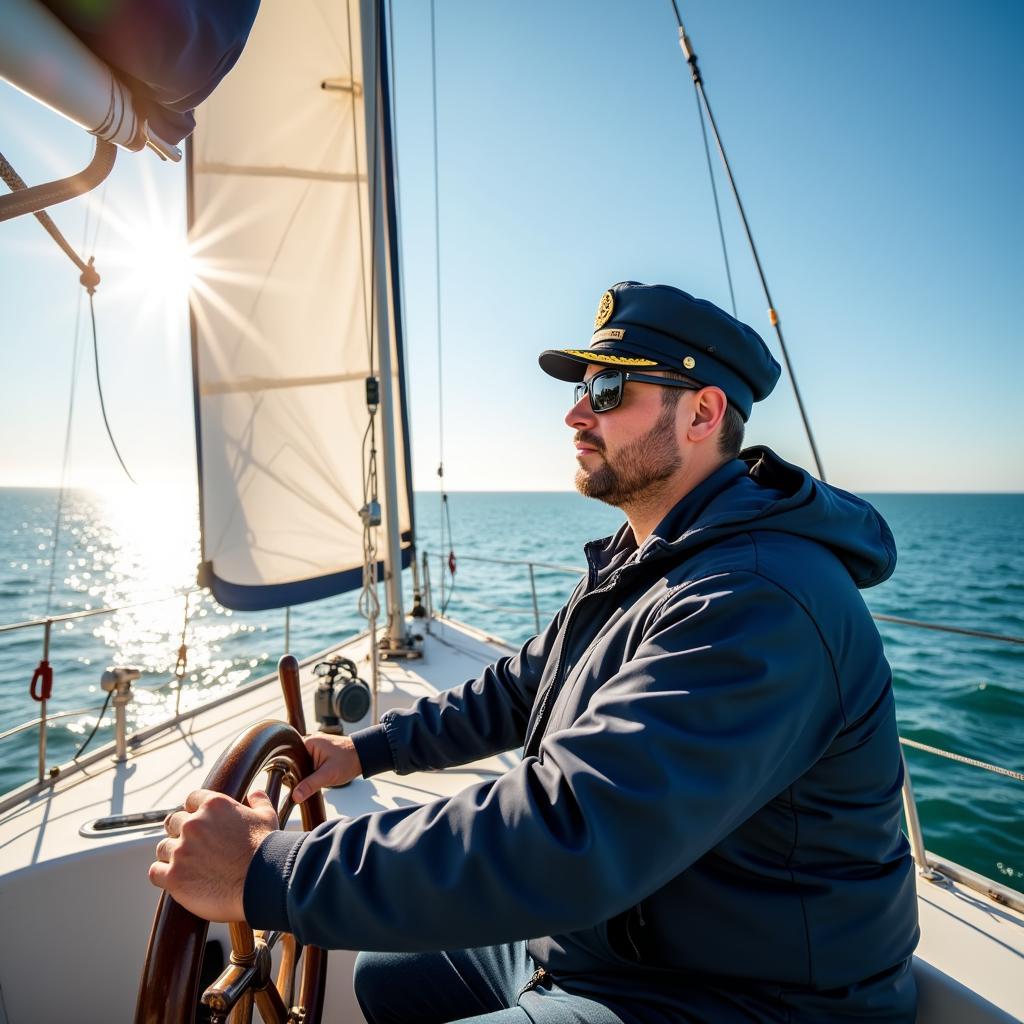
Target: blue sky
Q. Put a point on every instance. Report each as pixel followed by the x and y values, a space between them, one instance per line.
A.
pixel 878 148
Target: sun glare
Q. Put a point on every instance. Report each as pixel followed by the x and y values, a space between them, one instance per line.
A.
pixel 146 263
pixel 153 262
pixel 162 259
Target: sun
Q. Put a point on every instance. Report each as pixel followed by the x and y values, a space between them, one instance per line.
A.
pixel 146 262
pixel 151 259
pixel 162 260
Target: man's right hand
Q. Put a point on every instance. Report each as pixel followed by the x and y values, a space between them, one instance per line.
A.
pixel 335 760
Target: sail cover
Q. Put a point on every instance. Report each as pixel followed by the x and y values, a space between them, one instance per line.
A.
pixel 283 230
pixel 171 53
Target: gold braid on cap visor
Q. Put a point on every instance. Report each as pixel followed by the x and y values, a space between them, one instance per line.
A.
pixel 607 359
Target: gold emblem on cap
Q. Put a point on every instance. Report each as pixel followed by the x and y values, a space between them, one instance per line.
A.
pixel 604 310
pixel 689 362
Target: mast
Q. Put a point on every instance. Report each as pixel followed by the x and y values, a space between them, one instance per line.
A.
pixel 386 315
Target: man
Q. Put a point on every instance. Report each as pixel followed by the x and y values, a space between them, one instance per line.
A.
pixel 704 825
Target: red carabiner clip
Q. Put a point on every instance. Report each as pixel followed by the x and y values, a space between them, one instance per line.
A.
pixel 42 675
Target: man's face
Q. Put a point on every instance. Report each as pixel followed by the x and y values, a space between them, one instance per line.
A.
pixel 622 453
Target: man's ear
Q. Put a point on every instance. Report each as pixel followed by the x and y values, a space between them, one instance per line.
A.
pixel 706 413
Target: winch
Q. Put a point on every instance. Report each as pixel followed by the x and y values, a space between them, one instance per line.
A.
pixel 341 696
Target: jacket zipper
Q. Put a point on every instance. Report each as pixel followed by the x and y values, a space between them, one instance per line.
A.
pixel 629 931
pixel 612 583
pixel 555 683
pixel 539 977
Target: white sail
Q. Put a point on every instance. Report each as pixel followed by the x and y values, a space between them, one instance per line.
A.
pixel 284 311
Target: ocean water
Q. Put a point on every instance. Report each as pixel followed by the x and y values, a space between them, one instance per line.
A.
pixel 961 562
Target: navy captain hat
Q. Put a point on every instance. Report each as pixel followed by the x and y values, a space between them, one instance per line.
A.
pixel 656 326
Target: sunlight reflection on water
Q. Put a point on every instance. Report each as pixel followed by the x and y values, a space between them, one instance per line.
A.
pixel 127 550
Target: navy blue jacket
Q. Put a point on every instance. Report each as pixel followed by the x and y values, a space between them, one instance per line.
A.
pixel 711 774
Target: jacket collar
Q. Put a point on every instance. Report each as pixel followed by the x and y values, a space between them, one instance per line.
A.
pixel 610 553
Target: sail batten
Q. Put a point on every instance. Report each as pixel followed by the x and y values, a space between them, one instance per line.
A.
pixel 270 384
pixel 346 177
pixel 283 336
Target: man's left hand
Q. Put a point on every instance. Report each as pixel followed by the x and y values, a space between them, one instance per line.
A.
pixel 204 859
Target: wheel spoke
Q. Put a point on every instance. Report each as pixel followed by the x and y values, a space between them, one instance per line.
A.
pixel 242 1013
pixel 242 941
pixel 271 1006
pixel 285 811
pixel 275 775
pixel 290 953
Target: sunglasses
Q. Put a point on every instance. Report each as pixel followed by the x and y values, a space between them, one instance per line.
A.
pixel 605 388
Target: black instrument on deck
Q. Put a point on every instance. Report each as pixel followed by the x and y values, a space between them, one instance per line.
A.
pixel 341 696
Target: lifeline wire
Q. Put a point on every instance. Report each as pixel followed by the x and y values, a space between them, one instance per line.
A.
pixel 773 316
pixel 962 759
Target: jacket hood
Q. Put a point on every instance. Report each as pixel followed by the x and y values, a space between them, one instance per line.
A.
pixel 760 491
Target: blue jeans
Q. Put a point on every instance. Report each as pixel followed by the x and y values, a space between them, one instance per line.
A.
pixel 468 986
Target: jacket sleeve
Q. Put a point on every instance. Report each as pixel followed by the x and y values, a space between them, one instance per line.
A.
pixel 483 716
pixel 730 696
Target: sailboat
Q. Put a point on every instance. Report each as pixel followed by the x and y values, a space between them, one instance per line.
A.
pixel 285 520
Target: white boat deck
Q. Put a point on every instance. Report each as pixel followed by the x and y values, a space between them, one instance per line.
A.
pixel 78 908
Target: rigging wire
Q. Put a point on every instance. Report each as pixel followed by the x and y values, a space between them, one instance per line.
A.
pixel 99 385
pixel 446 600
pixel 773 316
pixel 89 279
pixel 181 664
pixel 445 510
pixel 67 433
pixel 718 209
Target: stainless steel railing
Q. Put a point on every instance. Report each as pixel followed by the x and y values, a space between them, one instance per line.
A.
pixel 47 624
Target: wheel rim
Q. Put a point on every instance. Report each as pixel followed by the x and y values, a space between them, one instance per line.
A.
pixel 169 989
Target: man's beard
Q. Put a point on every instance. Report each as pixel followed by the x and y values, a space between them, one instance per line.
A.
pixel 636 468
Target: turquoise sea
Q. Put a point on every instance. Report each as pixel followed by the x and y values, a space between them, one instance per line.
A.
pixel 961 562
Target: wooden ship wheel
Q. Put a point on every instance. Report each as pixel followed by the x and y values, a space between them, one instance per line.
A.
pixel 169 989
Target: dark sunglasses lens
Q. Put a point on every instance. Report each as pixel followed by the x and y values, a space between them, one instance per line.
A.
pixel 605 391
